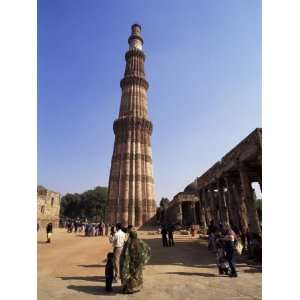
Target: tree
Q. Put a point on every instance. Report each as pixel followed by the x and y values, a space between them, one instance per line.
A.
pixel 90 204
pixel 164 202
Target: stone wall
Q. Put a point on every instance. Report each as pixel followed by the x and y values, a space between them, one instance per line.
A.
pixel 48 207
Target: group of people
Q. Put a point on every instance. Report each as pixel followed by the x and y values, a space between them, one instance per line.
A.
pixel 231 240
pixel 167 235
pixel 222 240
pixel 126 261
pixel 89 229
pixel 99 229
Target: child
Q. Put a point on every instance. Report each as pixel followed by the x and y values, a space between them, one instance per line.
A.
pixel 109 272
pixel 221 257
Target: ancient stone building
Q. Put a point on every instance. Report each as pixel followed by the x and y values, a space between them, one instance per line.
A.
pixel 224 192
pixel 48 207
pixel 131 184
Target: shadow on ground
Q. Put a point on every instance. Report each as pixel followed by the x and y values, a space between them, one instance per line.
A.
pixel 85 278
pixel 93 290
pixel 91 266
pixel 189 253
pixel 184 252
pixel 253 270
pixel 193 274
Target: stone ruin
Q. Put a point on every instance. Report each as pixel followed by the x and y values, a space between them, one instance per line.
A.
pixel 48 207
pixel 224 192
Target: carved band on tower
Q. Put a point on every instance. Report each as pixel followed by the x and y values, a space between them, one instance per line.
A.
pixel 131 198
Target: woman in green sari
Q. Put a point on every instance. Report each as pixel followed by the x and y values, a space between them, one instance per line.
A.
pixel 135 254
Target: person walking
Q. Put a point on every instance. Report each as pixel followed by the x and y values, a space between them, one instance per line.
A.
pixel 170 235
pixel 106 229
pixel 211 232
pixel 49 232
pixel 193 230
pixel 230 238
pixel 117 239
pixel 164 233
pixel 102 228
pixel 135 255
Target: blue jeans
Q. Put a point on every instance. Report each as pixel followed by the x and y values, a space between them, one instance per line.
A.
pixel 229 257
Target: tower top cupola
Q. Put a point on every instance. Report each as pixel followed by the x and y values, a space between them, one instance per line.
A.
pixel 135 40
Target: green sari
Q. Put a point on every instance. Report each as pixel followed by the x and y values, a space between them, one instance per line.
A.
pixel 135 254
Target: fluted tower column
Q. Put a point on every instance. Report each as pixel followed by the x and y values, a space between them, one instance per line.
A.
pixel 131 197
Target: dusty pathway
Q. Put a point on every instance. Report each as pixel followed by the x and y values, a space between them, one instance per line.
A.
pixel 72 268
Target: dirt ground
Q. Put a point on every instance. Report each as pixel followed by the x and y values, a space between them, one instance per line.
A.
pixel 72 268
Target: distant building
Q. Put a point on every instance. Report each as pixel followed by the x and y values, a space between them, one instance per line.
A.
pixel 48 206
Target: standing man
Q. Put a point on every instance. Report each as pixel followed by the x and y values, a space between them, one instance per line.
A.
pixel 49 232
pixel 106 229
pixel 164 233
pixel 211 232
pixel 170 235
pixel 117 239
pixel 230 239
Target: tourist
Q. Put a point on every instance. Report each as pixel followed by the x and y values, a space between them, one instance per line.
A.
pixel 193 230
pixel 75 226
pixel 135 255
pixel 102 225
pixel 49 232
pixel 127 231
pixel 117 239
pixel 211 232
pixel 86 231
pixel 230 239
pixel 97 231
pixel 112 230
pixel 100 229
pixel 164 233
pixel 170 229
pixel 106 229
pixel 109 272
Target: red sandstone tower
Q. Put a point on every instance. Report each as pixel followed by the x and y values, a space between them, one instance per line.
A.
pixel 131 184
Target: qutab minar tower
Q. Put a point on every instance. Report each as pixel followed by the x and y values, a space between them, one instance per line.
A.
pixel 131 184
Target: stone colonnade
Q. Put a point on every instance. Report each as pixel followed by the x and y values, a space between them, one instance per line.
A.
pixel 224 192
pixel 230 200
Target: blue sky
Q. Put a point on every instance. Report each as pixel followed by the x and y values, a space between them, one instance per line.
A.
pixel 203 64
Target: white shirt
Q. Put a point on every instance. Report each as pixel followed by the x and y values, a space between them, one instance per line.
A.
pixel 118 239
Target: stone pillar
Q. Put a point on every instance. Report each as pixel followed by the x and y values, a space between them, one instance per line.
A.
pixel 242 209
pixel 222 204
pixel 233 205
pixel 214 207
pixel 180 213
pixel 249 200
pixel 207 205
pixel 193 207
pixel 202 209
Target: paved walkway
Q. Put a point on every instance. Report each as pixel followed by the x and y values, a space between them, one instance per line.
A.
pixel 72 268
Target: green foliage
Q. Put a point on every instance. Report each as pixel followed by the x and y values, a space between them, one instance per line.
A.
pixel 164 202
pixel 90 204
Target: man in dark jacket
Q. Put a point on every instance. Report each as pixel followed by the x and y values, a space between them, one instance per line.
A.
pixel 49 232
pixel 170 235
pixel 164 233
